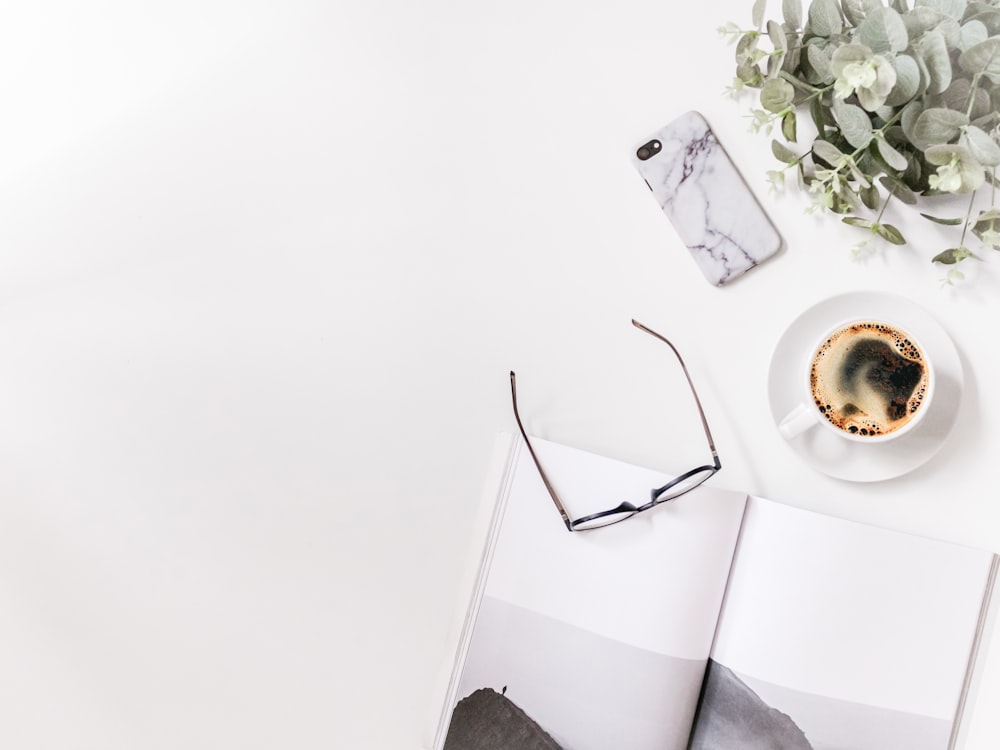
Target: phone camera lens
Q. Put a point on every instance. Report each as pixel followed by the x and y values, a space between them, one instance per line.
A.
pixel 646 150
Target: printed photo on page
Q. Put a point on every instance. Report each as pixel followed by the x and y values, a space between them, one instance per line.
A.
pixel 597 639
pixel 839 636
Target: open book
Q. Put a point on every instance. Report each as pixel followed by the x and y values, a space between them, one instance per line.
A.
pixel 715 621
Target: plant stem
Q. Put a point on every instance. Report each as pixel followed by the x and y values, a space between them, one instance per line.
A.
pixel 968 216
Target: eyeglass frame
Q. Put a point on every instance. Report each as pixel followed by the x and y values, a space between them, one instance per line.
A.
pixel 658 495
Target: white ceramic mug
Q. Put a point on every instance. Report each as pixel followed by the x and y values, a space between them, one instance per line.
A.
pixel 808 414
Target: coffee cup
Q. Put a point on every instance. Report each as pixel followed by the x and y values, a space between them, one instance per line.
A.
pixel 867 380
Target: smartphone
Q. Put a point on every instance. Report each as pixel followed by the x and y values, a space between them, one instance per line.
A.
pixel 711 207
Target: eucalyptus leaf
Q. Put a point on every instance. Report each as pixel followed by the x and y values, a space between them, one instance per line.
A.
pixel 934 53
pixel 892 157
pixel 757 13
pixel 983 58
pixel 987 221
pixel 818 113
pixel 952 255
pixel 827 152
pixel 857 221
pixel 775 62
pixel 824 18
pixel 898 189
pixel 889 233
pixel 908 119
pixel 981 146
pixel 819 61
pixel 951 8
pixel 749 73
pixel 791 11
pixel 958 94
pixel 857 10
pixel 793 55
pixel 854 123
pixel 970 170
pixel 937 126
pixel 907 81
pixel 858 175
pixel 746 46
pixel 777 35
pixel 946 222
pixel 973 32
pixel 988 15
pixel 776 95
pixel 870 196
pixel 782 152
pixel 789 126
pixel 884 31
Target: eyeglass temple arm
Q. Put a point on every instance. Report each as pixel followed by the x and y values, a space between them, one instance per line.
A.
pixel 538 465
pixel 701 412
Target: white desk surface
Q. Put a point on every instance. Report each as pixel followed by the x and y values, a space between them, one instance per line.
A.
pixel 264 268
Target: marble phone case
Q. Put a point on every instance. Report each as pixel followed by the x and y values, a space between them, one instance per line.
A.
pixel 711 208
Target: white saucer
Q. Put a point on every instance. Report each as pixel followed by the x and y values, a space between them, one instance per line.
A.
pixel 844 459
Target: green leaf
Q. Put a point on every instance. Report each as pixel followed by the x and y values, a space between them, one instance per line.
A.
pixel 780 43
pixel 860 176
pixel 819 61
pixel 957 97
pixel 776 95
pixel 983 58
pixel 899 189
pixel 971 171
pixel 854 123
pixel 857 221
pixel 937 126
pixel 946 222
pixel 907 83
pixel 827 152
pixel 857 10
pixel 908 119
pixel 981 146
pixel 757 13
pixel 789 126
pixel 987 15
pixel 870 196
pixel 934 53
pixel 746 46
pixel 951 8
pixel 892 157
pixel 783 153
pixel 791 11
pixel 818 114
pixel 884 31
pixel 824 18
pixel 952 255
pixel 889 233
pixel 777 35
pixel 973 33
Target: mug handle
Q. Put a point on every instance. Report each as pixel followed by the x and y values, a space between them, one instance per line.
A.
pixel 798 420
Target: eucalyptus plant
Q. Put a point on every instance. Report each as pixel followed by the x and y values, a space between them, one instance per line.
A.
pixel 904 101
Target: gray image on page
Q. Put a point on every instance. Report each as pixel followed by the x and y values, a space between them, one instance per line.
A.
pixel 711 208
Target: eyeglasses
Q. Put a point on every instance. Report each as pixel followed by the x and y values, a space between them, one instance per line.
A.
pixel 658 495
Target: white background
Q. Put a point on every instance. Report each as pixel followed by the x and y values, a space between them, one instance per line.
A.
pixel 263 270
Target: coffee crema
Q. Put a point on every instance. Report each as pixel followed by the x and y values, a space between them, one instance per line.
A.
pixel 869 378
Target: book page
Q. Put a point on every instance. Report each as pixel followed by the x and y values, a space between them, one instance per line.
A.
pixel 840 636
pixel 594 639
